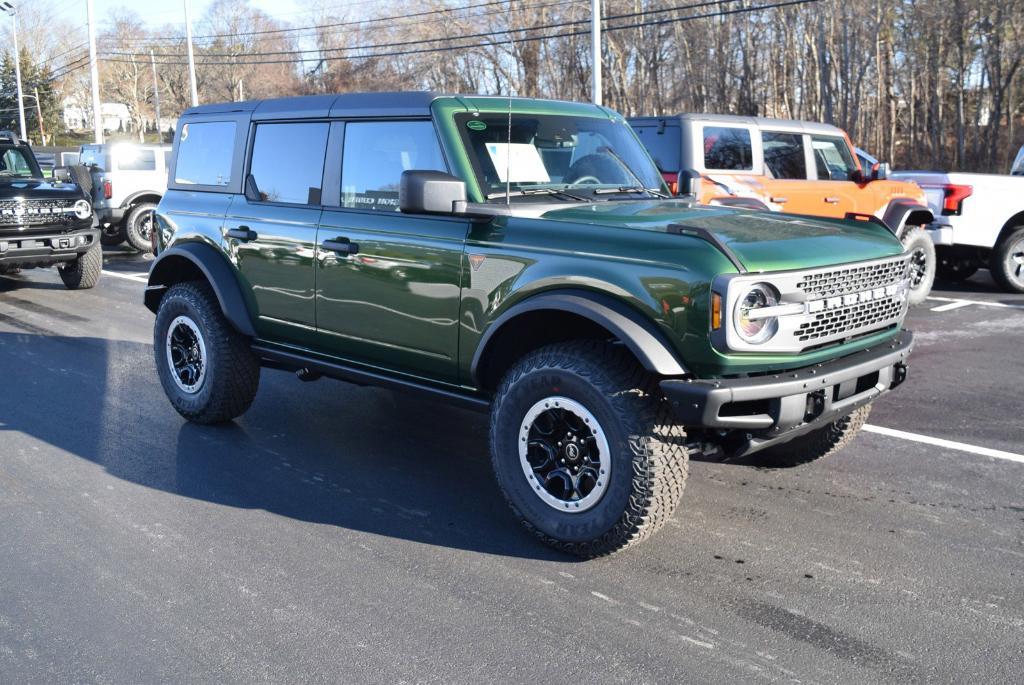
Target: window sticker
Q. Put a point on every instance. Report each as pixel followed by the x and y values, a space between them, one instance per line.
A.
pixel 518 163
pixel 476 125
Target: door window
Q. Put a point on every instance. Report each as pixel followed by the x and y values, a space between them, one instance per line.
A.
pixel 727 148
pixel 205 153
pixel 134 159
pixel 784 155
pixel 377 152
pixel 832 158
pixel 288 161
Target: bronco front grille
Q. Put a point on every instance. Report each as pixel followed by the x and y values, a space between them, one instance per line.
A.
pixel 853 279
pixel 36 212
pixel 849 319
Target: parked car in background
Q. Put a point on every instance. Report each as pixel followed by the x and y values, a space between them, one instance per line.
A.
pixel 128 181
pixel 520 257
pixel 1017 168
pixel 979 224
pixel 44 222
pixel 787 166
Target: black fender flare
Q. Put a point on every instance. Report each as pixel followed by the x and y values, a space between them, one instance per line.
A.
pixel 180 261
pixel 134 197
pixel 906 212
pixel 637 332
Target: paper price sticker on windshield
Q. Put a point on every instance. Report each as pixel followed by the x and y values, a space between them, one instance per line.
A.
pixel 518 163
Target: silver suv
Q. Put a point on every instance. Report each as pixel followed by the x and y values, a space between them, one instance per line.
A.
pixel 128 180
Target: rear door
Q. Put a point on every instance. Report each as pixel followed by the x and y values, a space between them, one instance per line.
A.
pixel 834 167
pixel 388 284
pixel 272 235
pixel 786 173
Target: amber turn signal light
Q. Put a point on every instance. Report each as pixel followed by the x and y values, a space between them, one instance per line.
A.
pixel 716 311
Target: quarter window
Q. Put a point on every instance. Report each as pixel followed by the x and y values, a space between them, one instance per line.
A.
pixel 832 158
pixel 288 161
pixel 377 152
pixel 728 149
pixel 205 153
pixel 784 155
pixel 132 159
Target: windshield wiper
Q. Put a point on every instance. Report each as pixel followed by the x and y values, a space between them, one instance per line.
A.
pixel 631 189
pixel 554 192
pixel 639 181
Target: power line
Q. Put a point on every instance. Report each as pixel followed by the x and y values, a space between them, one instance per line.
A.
pixel 511 40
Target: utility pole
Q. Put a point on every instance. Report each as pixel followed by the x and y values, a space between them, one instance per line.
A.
pixel 191 57
pixel 595 51
pixel 9 9
pixel 39 113
pixel 94 73
pixel 156 97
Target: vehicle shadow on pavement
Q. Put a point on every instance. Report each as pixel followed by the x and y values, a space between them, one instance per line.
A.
pixel 12 282
pixel 362 459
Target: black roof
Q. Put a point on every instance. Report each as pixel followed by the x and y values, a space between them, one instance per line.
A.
pixel 335 105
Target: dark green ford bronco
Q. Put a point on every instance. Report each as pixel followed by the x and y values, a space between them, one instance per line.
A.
pixel 520 257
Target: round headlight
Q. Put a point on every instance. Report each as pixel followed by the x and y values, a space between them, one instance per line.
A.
pixel 751 328
pixel 83 210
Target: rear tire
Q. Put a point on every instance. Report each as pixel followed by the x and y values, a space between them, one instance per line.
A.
pixel 84 272
pixel 816 445
pixel 1007 262
pixel 622 475
pixel 207 369
pixel 113 235
pixel 922 250
pixel 139 226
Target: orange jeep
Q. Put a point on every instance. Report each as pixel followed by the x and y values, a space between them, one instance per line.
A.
pixel 796 167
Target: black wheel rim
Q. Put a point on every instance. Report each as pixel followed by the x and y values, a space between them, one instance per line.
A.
pixel 564 454
pixel 186 354
pixel 918 267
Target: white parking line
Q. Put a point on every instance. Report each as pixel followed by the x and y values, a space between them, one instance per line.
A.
pixel 967 302
pixel 948 444
pixel 950 306
pixel 138 278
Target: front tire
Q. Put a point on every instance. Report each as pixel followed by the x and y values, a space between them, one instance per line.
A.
pixel 207 368
pixel 1007 262
pixel 817 444
pixel 922 262
pixel 84 272
pixel 138 226
pixel 584 448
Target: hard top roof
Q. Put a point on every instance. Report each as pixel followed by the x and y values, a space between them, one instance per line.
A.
pixel 761 122
pixel 415 103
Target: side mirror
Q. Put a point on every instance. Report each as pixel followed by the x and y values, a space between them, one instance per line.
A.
pixel 880 171
pixel 431 192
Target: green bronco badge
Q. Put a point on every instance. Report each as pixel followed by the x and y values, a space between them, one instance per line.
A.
pixel 476 125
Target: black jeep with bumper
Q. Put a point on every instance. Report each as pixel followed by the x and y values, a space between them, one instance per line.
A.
pixel 44 223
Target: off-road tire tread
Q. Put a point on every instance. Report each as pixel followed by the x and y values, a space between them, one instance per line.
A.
pixel 660 455
pixel 133 239
pixel 917 298
pixel 236 369
pixel 816 445
pixel 84 272
pixel 998 258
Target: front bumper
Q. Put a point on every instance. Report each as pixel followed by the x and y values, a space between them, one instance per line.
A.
pixel 758 412
pixel 46 248
pixel 109 215
pixel 941 234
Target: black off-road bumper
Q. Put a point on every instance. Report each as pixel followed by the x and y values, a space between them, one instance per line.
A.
pixel 42 249
pixel 757 412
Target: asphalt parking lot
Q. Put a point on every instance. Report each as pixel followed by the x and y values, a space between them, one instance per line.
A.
pixel 345 534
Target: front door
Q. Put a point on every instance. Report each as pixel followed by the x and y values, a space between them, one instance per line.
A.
pixel 272 233
pixel 388 284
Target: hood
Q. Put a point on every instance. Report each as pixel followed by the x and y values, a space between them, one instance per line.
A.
pixel 38 189
pixel 762 241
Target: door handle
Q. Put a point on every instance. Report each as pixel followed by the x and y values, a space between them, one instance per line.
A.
pixel 780 200
pixel 832 200
pixel 242 233
pixel 340 246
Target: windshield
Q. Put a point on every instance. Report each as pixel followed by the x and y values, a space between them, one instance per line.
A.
pixel 555 152
pixel 14 163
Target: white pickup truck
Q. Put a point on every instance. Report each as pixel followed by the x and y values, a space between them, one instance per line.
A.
pixel 979 224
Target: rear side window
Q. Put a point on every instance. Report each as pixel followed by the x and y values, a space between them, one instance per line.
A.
pixel 288 161
pixel 784 155
pixel 664 145
pixel 377 152
pixel 205 151
pixel 131 159
pixel 833 158
pixel 728 149
pixel 93 155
